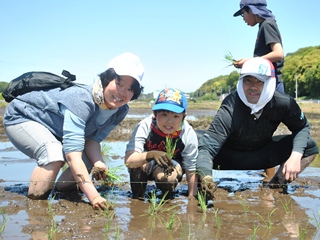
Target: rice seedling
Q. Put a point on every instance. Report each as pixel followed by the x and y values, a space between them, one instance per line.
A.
pixel 117 233
pixel 202 201
pixel 54 226
pixel 244 204
pixel 4 220
pixel 190 231
pixel 286 206
pixel 109 214
pixel 302 232
pixel 267 221
pixel 155 207
pixel 170 146
pixel 169 224
pixel 317 219
pixel 105 149
pixel 107 226
pixel 111 202
pixel 254 234
pixel 217 218
pixel 113 175
pixel 228 57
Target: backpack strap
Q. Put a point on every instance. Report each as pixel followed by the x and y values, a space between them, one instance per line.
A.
pixel 70 77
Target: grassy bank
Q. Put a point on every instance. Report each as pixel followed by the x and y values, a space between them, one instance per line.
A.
pixel 191 105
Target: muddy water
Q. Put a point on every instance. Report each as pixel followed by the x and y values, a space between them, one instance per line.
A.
pixel 242 209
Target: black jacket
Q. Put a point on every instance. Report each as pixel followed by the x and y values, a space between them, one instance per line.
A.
pixel 235 126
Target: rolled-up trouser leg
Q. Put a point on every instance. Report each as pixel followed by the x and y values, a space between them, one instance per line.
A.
pixel 138 182
pixel 37 142
pixel 167 183
pixel 309 155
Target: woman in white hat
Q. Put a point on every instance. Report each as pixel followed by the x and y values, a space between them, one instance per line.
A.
pixel 54 126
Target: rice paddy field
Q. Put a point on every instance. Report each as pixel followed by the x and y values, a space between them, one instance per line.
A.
pixel 242 209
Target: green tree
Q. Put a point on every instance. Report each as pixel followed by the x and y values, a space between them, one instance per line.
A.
pixel 303 65
pixel 3 85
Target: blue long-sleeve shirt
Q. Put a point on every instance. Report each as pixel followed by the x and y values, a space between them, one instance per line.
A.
pixel 70 114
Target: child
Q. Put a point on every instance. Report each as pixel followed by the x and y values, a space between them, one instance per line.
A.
pixel 269 42
pixel 146 155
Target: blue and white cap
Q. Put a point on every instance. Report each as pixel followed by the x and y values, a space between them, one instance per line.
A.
pixel 260 68
pixel 171 99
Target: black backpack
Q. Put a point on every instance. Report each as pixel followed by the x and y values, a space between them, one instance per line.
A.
pixel 33 81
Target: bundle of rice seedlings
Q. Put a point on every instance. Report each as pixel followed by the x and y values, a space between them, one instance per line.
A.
pixel 229 58
pixel 170 148
pixel 113 175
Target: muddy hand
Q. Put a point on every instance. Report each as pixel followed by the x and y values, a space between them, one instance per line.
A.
pixel 161 158
pixel 99 173
pixel 99 202
pixel 208 187
pixel 168 171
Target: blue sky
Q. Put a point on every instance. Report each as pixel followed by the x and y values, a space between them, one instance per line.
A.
pixel 181 43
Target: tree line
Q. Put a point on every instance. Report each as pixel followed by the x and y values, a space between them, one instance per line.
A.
pixel 301 71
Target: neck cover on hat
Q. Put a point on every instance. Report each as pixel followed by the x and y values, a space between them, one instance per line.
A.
pixel 266 94
pixel 262 12
pixel 97 94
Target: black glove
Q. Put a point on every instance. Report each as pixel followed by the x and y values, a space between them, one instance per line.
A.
pixel 208 187
pixel 161 158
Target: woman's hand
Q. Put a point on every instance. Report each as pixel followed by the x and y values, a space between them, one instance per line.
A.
pixel 99 171
pixel 99 202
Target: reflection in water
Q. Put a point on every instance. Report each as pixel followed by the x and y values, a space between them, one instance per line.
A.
pixel 133 222
pixel 316 161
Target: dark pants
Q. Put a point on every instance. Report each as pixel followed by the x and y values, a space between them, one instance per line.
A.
pixel 274 153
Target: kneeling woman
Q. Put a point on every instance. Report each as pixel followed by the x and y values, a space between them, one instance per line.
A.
pixel 54 126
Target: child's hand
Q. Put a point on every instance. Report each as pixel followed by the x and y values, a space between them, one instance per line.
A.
pixel 161 158
pixel 239 63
